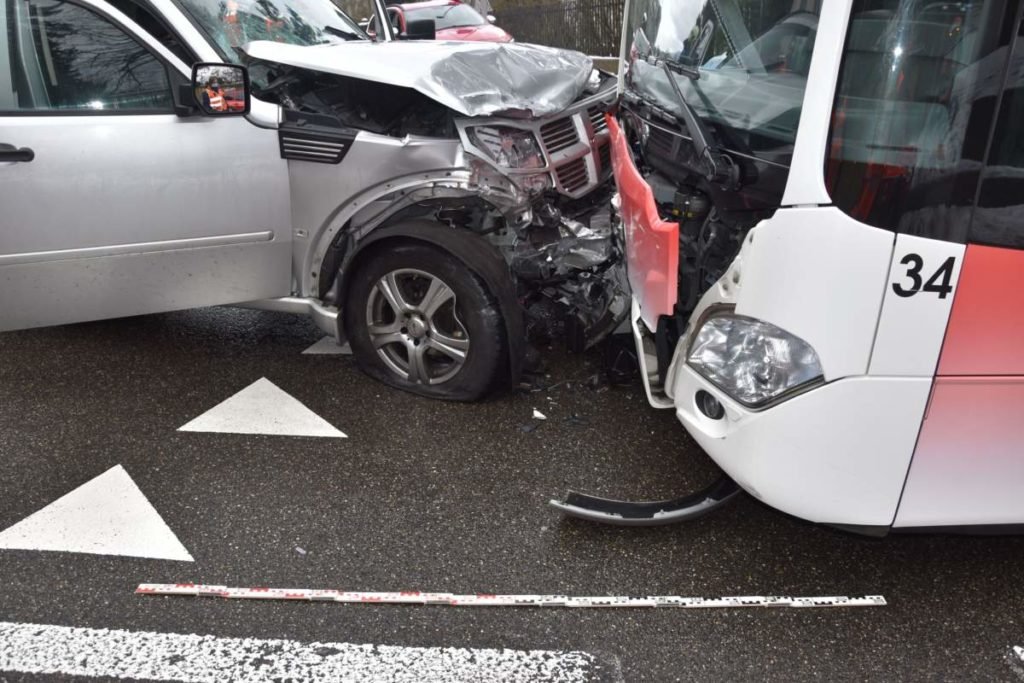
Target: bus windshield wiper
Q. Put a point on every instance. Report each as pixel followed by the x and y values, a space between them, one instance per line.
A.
pixel 718 166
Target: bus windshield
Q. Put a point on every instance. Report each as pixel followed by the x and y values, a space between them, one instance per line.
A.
pixel 747 62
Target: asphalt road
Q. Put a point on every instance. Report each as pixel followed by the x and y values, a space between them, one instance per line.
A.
pixel 448 497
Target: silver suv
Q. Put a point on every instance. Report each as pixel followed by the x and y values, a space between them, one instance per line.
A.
pixel 435 203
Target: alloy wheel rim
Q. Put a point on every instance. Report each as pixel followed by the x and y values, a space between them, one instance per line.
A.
pixel 413 323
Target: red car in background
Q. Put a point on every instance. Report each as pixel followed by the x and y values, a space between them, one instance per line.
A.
pixel 453 19
pixel 235 99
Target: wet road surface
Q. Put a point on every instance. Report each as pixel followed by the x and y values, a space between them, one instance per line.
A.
pixel 451 498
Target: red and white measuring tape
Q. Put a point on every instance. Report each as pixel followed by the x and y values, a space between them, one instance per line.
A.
pixel 485 600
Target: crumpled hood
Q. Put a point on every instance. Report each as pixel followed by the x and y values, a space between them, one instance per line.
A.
pixel 474 79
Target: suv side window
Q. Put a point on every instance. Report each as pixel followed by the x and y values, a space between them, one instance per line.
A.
pixel 67 58
pixel 999 214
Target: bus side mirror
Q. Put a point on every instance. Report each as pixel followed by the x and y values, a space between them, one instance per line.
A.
pixel 221 89
pixel 420 29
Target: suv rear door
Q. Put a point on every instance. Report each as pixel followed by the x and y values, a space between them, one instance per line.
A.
pixel 110 204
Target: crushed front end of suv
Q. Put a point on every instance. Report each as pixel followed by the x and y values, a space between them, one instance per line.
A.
pixel 505 143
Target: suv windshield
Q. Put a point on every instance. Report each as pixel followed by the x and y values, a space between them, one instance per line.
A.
pixel 751 58
pixel 451 16
pixel 233 23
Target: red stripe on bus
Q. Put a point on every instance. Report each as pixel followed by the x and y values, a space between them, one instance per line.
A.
pixel 986 327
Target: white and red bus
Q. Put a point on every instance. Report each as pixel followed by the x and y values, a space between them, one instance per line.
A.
pixel 823 208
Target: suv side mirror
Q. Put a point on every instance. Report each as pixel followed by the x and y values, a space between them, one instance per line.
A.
pixel 420 29
pixel 221 89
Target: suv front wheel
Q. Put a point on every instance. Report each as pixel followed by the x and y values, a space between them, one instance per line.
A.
pixel 420 320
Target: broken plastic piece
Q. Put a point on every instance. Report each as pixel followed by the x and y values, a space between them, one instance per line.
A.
pixel 649 513
pixel 653 256
pixel 537 415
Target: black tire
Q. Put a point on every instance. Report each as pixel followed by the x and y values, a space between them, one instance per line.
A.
pixel 471 316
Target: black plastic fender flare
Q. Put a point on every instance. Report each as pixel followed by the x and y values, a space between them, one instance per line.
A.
pixel 650 513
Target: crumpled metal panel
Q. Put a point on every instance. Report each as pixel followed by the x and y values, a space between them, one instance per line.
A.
pixel 474 79
pixel 539 80
pixel 652 244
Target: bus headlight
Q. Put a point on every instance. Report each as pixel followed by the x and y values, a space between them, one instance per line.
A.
pixel 754 362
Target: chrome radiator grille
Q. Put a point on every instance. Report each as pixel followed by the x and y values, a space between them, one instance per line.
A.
pixel 577 150
pixel 575 143
pixel 559 135
pixel 573 176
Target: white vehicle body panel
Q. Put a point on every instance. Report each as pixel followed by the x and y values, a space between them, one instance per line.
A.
pixel 806 186
pixel 838 454
pixel 820 275
pixel 911 329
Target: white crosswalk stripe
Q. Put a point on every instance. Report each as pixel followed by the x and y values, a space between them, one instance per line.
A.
pixel 87 652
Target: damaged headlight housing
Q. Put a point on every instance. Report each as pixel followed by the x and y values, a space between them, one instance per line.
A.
pixel 754 362
pixel 507 147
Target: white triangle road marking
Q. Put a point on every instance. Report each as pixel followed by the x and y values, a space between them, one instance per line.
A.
pixel 328 346
pixel 107 515
pixel 262 408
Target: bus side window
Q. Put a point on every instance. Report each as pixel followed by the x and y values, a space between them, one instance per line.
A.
pixel 999 215
pixel 913 113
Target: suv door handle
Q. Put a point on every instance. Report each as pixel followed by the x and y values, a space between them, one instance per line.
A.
pixel 12 153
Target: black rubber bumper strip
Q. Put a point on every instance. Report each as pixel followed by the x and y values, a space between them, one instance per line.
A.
pixel 649 513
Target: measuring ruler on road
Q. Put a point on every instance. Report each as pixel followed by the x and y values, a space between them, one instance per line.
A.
pixel 487 600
